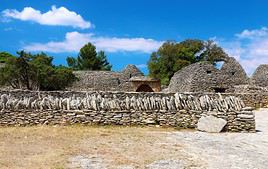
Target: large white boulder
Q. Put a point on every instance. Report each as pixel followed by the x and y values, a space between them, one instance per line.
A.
pixel 211 124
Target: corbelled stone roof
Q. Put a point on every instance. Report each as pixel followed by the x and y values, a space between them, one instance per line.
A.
pixel 260 76
pixel 105 80
pixel 205 77
pixel 132 71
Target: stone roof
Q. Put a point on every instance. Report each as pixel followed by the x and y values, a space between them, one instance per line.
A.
pixel 260 76
pixel 97 80
pixel 205 77
pixel 132 71
pixel 105 80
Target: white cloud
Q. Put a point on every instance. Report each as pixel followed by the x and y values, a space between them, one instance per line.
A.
pixel 126 44
pixel 75 40
pixel 252 34
pixel 56 16
pixel 72 43
pixel 250 48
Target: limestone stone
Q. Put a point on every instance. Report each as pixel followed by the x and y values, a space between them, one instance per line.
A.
pixel 211 124
pixel 248 108
pixel 245 116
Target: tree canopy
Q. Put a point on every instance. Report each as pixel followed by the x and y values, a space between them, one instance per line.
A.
pixel 89 59
pixel 4 56
pixel 173 56
pixel 35 72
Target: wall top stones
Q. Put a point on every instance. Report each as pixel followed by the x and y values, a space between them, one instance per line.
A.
pixel 103 101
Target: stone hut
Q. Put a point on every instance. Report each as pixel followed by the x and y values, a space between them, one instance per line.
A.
pixel 128 80
pixel 145 84
pixel 96 80
pixel 206 77
pixel 260 76
pixel 132 71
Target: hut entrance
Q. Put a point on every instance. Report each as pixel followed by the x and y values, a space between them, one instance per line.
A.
pixel 144 88
pixel 219 90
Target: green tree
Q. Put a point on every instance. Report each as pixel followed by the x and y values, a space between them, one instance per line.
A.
pixel 17 72
pixel 172 56
pixel 103 63
pixel 89 59
pixel 72 62
pixel 4 56
pixel 35 72
pixel 212 52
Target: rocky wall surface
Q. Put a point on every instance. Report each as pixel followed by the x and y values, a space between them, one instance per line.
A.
pixel 120 108
pixel 256 100
pixel 250 89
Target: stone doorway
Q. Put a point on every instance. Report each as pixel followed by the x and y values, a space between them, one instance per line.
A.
pixel 144 88
pixel 219 90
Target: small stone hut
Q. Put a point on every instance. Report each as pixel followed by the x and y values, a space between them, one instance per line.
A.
pixel 260 76
pixel 113 81
pixel 206 77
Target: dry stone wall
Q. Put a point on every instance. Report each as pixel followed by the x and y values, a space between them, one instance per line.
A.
pixel 256 100
pixel 119 108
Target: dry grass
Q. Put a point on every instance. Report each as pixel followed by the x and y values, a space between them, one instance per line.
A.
pixel 52 147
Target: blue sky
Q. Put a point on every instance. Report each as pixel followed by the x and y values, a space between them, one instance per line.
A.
pixel 130 30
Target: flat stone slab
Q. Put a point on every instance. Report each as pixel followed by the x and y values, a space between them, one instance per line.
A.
pixel 245 116
pixel 248 108
pixel 211 124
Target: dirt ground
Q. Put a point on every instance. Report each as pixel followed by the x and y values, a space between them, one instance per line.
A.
pixel 75 147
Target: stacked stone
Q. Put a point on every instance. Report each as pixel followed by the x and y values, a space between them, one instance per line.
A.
pixel 96 101
pixel 244 118
pixel 119 108
pixel 250 89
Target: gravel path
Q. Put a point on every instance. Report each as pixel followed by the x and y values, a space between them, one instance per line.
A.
pixel 229 150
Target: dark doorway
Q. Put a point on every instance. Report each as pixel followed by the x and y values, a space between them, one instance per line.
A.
pixel 144 88
pixel 219 90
